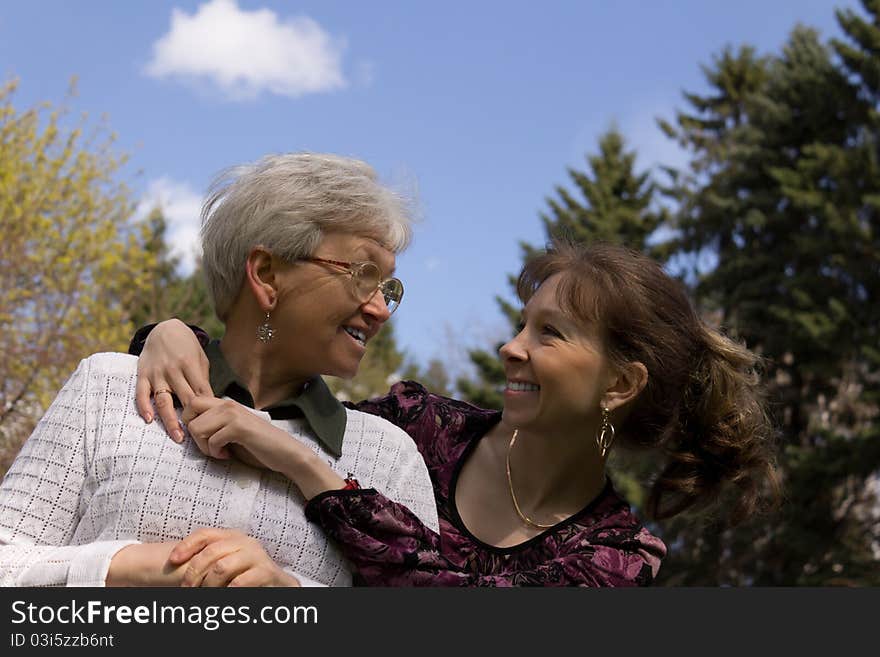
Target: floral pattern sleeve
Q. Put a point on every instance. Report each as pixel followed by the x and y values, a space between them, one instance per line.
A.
pixel 389 546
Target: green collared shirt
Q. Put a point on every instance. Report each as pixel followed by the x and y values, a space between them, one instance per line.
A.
pixel 316 403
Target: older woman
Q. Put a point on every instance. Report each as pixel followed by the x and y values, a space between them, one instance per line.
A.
pixel 299 253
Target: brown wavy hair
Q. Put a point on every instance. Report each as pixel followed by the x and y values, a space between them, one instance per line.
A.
pixel 703 406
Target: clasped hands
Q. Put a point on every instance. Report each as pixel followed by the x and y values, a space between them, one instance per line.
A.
pixel 208 557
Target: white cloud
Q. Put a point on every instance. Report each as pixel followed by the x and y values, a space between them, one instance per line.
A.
pixel 180 205
pixel 248 52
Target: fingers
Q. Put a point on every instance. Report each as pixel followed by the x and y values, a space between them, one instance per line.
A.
pixel 251 577
pixel 163 401
pixel 197 374
pixel 227 554
pixel 206 561
pixel 192 544
pixel 200 438
pixel 211 440
pixel 142 398
pixel 179 385
pixel 237 564
pixel 265 574
pixel 199 405
pixel 217 443
pixel 227 557
pixel 204 418
pixel 171 360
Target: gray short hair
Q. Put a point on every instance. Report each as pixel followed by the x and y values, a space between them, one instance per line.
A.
pixel 286 203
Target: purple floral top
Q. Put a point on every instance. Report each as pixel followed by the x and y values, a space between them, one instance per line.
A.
pixel 602 545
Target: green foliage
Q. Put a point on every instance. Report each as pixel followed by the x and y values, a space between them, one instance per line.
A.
pixel 171 294
pixel 781 188
pixel 435 376
pixel 488 391
pixel 70 261
pixel 616 201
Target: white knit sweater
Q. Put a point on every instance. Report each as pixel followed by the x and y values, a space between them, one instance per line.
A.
pixel 93 478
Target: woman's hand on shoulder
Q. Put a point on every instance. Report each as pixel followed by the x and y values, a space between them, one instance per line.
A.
pixel 172 361
pixel 227 557
pixel 218 426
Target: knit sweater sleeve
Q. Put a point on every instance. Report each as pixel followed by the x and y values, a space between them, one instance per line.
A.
pixel 45 491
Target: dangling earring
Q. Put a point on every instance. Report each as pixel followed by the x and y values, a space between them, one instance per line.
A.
pixel 605 435
pixel 265 332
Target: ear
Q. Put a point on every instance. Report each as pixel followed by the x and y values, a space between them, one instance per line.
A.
pixel 625 385
pixel 261 274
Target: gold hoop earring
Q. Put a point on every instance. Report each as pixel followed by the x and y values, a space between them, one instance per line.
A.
pixel 265 332
pixel 605 434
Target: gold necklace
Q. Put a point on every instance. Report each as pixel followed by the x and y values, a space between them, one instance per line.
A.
pixel 519 512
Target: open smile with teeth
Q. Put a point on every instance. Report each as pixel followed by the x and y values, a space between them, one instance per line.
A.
pixel 521 386
pixel 360 336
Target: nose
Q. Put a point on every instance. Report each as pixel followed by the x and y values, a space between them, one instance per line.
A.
pixel 376 307
pixel 514 349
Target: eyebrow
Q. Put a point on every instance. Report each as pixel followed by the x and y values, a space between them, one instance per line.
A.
pixel 552 315
pixel 370 255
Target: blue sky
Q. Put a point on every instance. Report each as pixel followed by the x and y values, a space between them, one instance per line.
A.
pixel 477 107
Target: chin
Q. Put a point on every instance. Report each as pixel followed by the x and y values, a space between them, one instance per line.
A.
pixel 345 371
pixel 514 419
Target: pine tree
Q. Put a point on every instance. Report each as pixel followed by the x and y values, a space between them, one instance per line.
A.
pixel 706 132
pixel 616 201
pixel 859 168
pixel 615 206
pixel 435 376
pixel 171 294
pixel 775 192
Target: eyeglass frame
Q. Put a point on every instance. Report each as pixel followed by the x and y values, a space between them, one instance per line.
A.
pixel 350 268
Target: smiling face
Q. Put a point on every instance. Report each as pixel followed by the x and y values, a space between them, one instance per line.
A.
pixel 325 326
pixel 557 373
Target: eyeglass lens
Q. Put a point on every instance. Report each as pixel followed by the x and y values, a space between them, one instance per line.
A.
pixel 368 279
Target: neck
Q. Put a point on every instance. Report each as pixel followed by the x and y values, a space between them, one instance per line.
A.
pixel 552 474
pixel 257 365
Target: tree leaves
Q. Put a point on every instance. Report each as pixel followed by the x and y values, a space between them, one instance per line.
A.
pixel 68 269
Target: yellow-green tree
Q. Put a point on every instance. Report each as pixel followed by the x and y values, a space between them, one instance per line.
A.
pixel 71 261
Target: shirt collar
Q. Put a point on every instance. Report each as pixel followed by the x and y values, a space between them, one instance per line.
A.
pixel 324 413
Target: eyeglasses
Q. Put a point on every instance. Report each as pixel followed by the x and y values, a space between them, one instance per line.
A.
pixel 366 279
